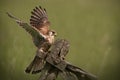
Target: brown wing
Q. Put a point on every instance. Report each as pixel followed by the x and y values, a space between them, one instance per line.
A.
pixel 39 18
pixel 37 36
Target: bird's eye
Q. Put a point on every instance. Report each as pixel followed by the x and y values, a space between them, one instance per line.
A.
pixel 53 32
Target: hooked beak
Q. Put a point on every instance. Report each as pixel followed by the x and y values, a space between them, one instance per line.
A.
pixel 55 34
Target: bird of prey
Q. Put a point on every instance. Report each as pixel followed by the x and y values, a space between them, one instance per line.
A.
pixel 42 36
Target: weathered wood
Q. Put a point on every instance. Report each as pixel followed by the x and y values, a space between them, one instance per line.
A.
pixel 67 75
pixel 60 64
pixel 57 54
pixel 80 73
pixel 57 64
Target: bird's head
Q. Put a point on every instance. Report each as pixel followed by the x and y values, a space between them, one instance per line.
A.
pixel 52 33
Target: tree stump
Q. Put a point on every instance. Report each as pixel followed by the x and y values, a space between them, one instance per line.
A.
pixel 56 64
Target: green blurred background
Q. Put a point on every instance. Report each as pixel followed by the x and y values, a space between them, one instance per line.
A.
pixel 91 26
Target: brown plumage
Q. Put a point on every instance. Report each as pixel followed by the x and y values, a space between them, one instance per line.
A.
pixel 42 36
pixel 39 20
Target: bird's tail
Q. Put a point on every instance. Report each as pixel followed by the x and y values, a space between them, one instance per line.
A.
pixel 35 66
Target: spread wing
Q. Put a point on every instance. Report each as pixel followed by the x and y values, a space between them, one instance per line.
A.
pixel 31 30
pixel 39 19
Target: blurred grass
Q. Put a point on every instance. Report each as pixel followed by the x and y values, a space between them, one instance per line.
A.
pixel 91 26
